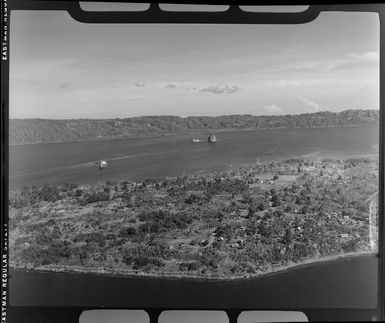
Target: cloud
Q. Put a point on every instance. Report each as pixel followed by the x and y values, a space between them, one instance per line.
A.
pixel 295 49
pixel 350 60
pixel 170 86
pixel 272 109
pixel 329 83
pixel 64 85
pixel 220 89
pixel 305 65
pixel 355 59
pixel 367 56
pixel 139 85
pixel 315 106
pixel 283 83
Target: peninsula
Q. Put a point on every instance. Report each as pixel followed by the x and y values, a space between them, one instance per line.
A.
pixel 224 224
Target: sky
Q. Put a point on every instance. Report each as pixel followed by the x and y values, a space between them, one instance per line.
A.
pixel 63 69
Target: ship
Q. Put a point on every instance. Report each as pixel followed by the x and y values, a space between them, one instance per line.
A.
pixel 212 138
pixel 272 151
pixel 102 164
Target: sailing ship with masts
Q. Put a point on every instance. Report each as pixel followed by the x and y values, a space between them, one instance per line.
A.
pixel 212 138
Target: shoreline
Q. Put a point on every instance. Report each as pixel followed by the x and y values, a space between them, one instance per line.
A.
pixel 312 156
pixel 202 131
pixel 108 273
pixel 195 233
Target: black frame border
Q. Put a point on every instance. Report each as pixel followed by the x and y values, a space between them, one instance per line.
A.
pixel 234 15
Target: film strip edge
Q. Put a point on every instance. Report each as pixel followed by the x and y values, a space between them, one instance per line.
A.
pixel 4 105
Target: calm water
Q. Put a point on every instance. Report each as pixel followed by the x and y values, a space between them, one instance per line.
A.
pixel 344 283
pixel 140 158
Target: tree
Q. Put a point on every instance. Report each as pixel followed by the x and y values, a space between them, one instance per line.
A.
pixel 276 200
pixel 262 206
pixel 288 237
pixel 264 230
pixel 252 211
pixel 49 193
pixel 126 232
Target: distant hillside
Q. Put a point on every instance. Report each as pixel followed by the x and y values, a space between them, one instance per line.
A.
pixel 46 130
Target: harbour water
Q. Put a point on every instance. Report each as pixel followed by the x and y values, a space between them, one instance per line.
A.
pixel 136 159
pixel 349 283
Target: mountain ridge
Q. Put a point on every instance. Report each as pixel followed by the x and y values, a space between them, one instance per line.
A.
pixel 25 131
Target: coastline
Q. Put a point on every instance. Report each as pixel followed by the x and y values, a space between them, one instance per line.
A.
pixel 200 131
pixel 196 243
pixel 122 273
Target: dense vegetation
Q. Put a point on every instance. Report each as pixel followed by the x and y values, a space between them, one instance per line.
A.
pixel 224 224
pixel 44 130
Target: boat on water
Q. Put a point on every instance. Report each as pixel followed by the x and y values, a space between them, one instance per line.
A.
pixel 272 151
pixel 102 164
pixel 195 140
pixel 212 138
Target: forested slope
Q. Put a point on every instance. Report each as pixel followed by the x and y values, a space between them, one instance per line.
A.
pixel 48 130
